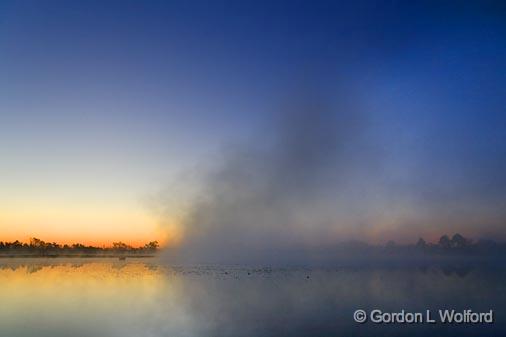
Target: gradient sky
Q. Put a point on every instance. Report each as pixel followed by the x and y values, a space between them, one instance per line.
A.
pixel 103 103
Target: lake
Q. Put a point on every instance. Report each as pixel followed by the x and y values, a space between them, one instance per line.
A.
pixel 146 297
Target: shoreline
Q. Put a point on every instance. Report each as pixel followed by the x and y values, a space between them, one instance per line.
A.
pixel 74 256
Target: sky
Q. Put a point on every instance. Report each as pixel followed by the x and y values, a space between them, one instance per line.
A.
pixel 179 121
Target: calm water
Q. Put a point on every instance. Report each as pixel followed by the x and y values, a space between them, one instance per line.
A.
pixel 79 297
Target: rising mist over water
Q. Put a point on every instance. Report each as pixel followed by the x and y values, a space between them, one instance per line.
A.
pixel 302 164
pixel 315 187
pixel 268 199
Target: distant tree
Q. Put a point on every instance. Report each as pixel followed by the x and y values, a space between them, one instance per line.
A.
pixel 421 243
pixel 36 243
pixel 458 241
pixel 120 246
pixel 39 247
pixel 444 242
pixel 151 246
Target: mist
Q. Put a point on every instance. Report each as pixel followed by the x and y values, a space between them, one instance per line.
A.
pixel 316 183
pixel 302 185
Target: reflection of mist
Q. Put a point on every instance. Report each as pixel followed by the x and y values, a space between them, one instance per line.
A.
pixel 448 267
pixel 286 302
pixel 98 300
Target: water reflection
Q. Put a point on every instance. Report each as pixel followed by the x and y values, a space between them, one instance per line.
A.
pixel 62 297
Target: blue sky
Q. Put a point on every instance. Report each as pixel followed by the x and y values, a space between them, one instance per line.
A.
pixel 104 102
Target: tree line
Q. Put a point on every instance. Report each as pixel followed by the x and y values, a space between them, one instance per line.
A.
pixel 37 247
pixel 448 245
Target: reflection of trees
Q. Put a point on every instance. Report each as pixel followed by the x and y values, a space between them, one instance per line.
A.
pixel 33 268
pixel 460 271
pixel 151 266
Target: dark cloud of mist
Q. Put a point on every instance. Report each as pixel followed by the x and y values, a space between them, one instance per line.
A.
pixel 321 174
pixel 277 196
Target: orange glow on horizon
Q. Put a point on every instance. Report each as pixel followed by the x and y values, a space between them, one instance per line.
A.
pixel 97 241
pixel 91 224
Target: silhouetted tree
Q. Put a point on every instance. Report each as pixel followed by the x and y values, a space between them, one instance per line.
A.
pixel 444 242
pixel 121 247
pixel 40 248
pixel 458 241
pixel 151 246
pixel 421 243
